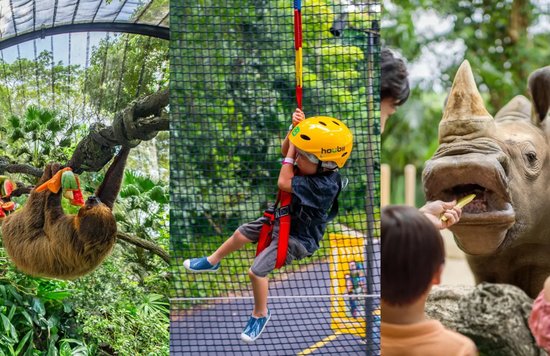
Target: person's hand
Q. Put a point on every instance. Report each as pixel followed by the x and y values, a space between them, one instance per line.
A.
pixel 435 209
pixel 297 117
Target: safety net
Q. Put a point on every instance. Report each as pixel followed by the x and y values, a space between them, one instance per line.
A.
pixel 232 95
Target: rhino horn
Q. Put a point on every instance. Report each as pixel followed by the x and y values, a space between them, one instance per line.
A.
pixel 465 115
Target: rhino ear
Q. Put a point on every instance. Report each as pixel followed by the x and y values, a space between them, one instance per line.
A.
pixel 539 88
pixel 518 108
pixel 465 115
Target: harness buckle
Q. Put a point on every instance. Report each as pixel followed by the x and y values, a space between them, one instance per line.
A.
pixel 282 211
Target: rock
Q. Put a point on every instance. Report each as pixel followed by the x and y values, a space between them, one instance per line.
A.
pixel 494 316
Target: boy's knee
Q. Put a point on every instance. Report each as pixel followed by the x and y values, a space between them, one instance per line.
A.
pixel 251 274
pixel 240 237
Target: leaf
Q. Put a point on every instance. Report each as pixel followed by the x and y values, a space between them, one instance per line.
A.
pixel 15 294
pixel 16 135
pixel 23 342
pixel 14 121
pixel 31 126
pixel 129 191
pixel 145 184
pixel 32 113
pixel 52 350
pixel 12 312
pixel 27 317
pixel 9 329
pixel 46 116
pixel 38 306
pixel 66 142
pixel 157 195
pixel 56 295
pixel 22 151
pixel 54 126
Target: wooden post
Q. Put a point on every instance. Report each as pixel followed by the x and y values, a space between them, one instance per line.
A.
pixel 410 184
pixel 385 172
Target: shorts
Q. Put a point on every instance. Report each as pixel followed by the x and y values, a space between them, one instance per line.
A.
pixel 265 261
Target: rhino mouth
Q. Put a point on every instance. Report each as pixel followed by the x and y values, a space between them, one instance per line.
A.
pixel 488 206
pixel 486 221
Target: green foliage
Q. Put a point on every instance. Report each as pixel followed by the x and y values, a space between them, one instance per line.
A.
pixel 40 83
pixel 123 311
pixel 40 134
pixel 123 68
pixel 37 316
pixel 143 211
pixel 120 308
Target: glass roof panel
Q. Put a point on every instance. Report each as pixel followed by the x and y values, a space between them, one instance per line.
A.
pixel 20 17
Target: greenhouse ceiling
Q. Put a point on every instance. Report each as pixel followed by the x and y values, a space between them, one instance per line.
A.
pixel 25 20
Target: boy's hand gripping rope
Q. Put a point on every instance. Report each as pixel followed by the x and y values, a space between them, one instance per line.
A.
pixel 284 198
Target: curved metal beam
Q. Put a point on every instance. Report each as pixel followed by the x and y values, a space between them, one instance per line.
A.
pixel 127 27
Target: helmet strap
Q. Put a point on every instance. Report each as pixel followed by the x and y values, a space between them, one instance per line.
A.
pixel 319 167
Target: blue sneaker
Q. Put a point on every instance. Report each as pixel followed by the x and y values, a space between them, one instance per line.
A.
pixel 200 265
pixel 254 328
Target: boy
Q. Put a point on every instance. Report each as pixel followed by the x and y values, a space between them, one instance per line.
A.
pixel 394 85
pixel 314 150
pixel 412 262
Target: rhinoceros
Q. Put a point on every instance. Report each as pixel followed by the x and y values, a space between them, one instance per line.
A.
pixel 505 161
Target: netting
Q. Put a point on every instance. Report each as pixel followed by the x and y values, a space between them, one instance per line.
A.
pixel 232 97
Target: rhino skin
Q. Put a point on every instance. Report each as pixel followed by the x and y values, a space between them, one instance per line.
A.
pixel 505 161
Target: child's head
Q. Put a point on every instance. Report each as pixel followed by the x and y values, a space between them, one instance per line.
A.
pixel 394 85
pixel 322 143
pixel 412 255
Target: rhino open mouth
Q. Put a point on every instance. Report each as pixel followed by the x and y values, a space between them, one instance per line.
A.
pixel 485 221
pixel 488 206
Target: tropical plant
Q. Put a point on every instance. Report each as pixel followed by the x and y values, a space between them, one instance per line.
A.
pixel 40 134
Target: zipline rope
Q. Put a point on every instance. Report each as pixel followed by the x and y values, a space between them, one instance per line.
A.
pixel 298 48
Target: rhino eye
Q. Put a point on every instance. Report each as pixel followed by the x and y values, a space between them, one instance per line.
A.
pixel 531 157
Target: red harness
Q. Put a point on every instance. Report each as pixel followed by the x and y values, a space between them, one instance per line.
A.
pixel 283 215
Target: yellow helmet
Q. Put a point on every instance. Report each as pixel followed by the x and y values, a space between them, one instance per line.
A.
pixel 326 138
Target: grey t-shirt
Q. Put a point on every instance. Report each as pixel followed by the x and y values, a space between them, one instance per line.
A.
pixel 312 197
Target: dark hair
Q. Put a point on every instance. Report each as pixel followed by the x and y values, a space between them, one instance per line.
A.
pixel 412 252
pixel 393 78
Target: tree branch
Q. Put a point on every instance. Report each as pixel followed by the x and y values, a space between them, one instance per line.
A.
pixel 130 126
pixel 6 166
pixel 147 245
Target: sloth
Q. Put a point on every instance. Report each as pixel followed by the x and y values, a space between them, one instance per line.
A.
pixel 43 241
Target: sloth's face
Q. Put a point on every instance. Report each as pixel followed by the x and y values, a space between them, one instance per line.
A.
pixel 92 201
pixel 96 219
